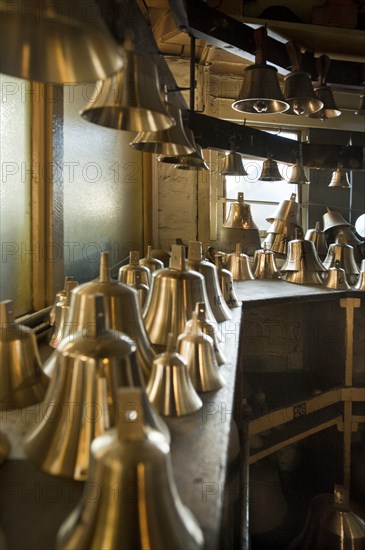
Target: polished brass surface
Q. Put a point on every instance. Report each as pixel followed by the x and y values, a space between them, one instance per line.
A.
pixel 278 242
pixel 346 235
pixel 333 219
pixel 339 179
pixel 233 165
pixel 239 215
pixel 170 389
pixel 239 265
pixel 62 309
pixel 53 43
pixel 336 278
pixel 141 288
pixel 287 210
pixel 270 170
pixel 138 505
pixel 298 176
pixel 283 226
pixel 81 399
pixel 123 312
pixel 150 262
pixel 130 99
pixel 303 277
pixel 329 109
pixel 260 91
pixel 22 380
pixel 318 238
pixel 4 449
pixel 171 301
pixel 162 255
pixel 361 109
pixel 127 273
pixel 331 525
pixel 173 141
pixel 300 95
pixel 344 255
pixel 248 238
pixel 60 297
pixel 265 265
pixel 209 271
pixel 302 256
pixel 194 161
pixel 198 350
pixel 206 326
pixel 226 282
pixel 360 285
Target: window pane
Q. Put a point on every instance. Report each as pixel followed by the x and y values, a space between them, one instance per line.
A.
pixel 15 218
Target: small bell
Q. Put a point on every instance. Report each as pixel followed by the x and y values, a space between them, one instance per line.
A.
pixel 194 161
pixel 233 165
pixel 287 210
pixel 360 285
pixel 344 254
pixel 239 265
pixel 198 350
pixel 302 265
pixel 298 176
pixel 323 92
pixel 62 309
pixel 149 261
pixel 339 179
pixel 141 288
pixel 266 267
pixel 347 236
pixel 209 328
pixel 92 366
pixel 195 262
pixel 270 170
pixel 127 273
pixel 336 278
pixel 60 297
pixel 226 282
pixel 239 226
pixel 170 389
pixel 22 380
pixel 318 238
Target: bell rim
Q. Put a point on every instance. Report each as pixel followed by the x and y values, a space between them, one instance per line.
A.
pixel 124 118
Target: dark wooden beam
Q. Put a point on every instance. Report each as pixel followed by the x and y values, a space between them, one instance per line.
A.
pixel 218 29
pixel 214 133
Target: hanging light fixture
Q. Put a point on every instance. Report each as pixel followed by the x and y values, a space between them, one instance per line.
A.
pixel 260 92
pixel 233 165
pixel 59 42
pixel 173 141
pixel 130 99
pixel 340 178
pixel 298 88
pixel 361 109
pixel 270 170
pixel 324 93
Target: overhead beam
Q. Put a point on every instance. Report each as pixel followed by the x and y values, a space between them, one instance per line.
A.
pixel 218 29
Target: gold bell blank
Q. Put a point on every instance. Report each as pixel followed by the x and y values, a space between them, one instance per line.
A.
pixel 149 261
pixel 212 329
pixel 127 273
pixel 239 265
pixel 226 282
pixel 137 503
pixel 22 380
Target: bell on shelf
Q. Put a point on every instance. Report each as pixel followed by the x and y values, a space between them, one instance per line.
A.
pixel 60 297
pixel 277 242
pixel 360 285
pixel 22 380
pixel 169 388
pixel 324 93
pixel 198 350
pixel 239 226
pixel 336 278
pixel 195 262
pixel 127 273
pixel 226 282
pixel 123 311
pixel 339 179
pixel 265 265
pixel 208 328
pixel 132 469
pixel 287 210
pixel 149 261
pixel 344 255
pixel 141 288
pixel 332 219
pixel 238 264
pixel 61 315
pixel 346 235
pixel 171 301
pixel 302 265
pixel 318 238
pixel 270 170
pixel 93 366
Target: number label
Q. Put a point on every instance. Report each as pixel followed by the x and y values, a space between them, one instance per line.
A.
pixel 299 410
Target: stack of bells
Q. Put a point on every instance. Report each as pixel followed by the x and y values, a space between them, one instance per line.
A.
pixel 285 226
pixel 337 229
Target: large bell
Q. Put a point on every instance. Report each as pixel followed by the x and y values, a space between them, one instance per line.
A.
pixel 62 309
pixel 298 176
pixel 123 311
pixel 302 265
pixel 344 254
pixel 239 265
pixel 60 297
pixel 81 399
pixel 137 503
pixel 300 95
pixel 226 282
pixel 173 141
pixel 287 210
pixel 270 170
pixel 22 380
pixel 260 92
pixel 331 525
pixel 169 388
pixel 329 109
pixel 130 99
pixel 336 278
pixel 333 219
pixel 209 328
pixel 318 238
pixel 59 42
pixel 149 261
pixel 239 226
pixel 127 273
pixel 360 285
pixel 198 350
pixel 339 179
pixel 209 271
pixel 171 301
pixel 233 165
pixel 265 263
